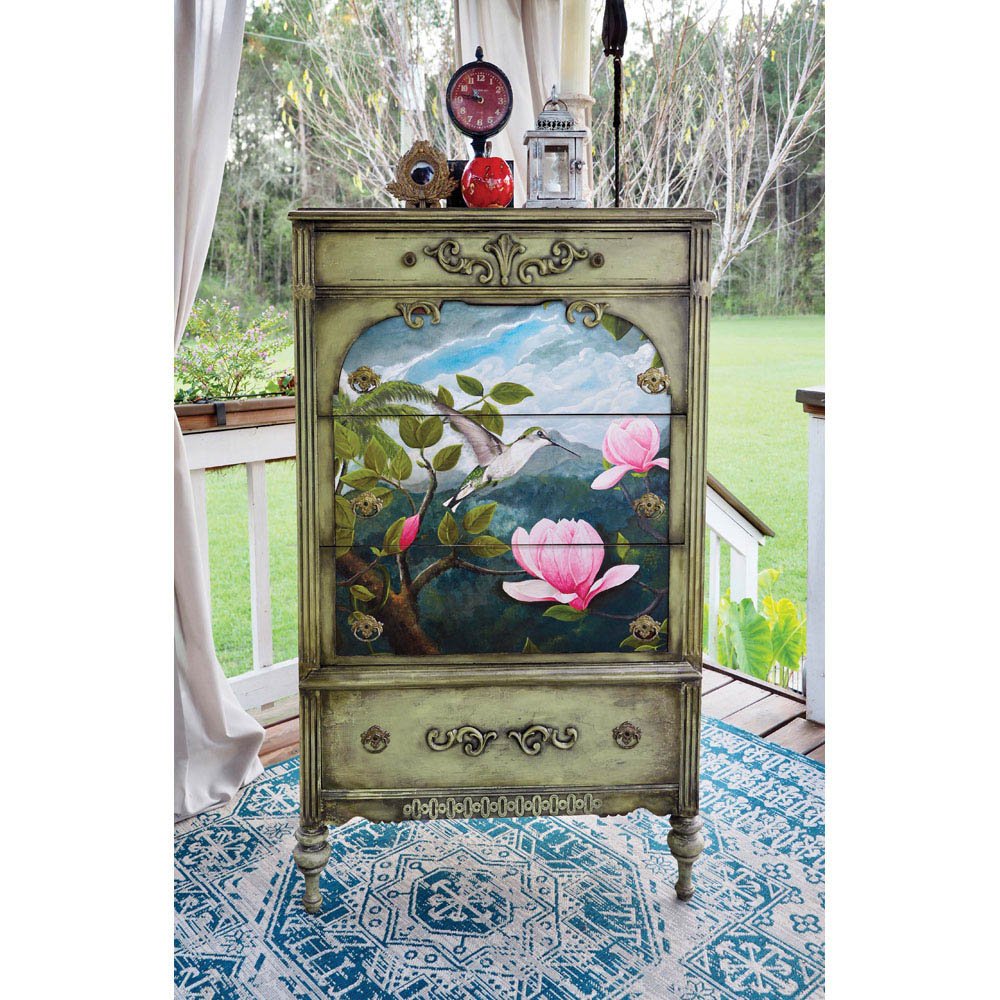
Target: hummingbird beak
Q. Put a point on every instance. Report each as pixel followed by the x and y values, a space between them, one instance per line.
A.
pixel 564 448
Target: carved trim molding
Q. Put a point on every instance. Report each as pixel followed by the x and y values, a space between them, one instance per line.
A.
pixel 564 256
pixel 532 739
pixel 596 309
pixel 458 807
pixel 473 741
pixel 303 291
pixel 505 249
pixel 413 313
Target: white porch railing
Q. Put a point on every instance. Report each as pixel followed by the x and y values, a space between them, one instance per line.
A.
pixel 252 447
pixel 729 524
pixel 813 401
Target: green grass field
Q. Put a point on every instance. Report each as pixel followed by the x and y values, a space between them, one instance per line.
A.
pixel 757 438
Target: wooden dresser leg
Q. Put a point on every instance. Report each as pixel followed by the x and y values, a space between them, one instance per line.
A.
pixel 311 854
pixel 686 843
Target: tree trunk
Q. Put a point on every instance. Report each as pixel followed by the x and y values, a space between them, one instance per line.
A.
pixel 399 616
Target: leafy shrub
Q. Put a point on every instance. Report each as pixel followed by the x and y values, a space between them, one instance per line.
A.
pixel 767 644
pixel 222 355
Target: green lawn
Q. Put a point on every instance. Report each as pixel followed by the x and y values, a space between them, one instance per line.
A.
pixel 757 440
pixel 758 434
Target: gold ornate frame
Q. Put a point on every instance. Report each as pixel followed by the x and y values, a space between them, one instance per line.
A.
pixel 427 195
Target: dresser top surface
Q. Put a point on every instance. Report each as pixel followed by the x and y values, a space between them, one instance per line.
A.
pixel 480 218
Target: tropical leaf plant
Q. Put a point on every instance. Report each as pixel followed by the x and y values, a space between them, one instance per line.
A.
pixel 768 643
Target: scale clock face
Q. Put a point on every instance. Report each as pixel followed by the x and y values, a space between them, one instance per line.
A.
pixel 479 98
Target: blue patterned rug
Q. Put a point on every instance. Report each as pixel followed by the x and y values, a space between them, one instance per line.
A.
pixel 494 909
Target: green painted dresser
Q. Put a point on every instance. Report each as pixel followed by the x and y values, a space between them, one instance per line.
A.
pixel 501 489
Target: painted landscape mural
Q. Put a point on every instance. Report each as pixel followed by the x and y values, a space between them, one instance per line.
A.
pixel 501 482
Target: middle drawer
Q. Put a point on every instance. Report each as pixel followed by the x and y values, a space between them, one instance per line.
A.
pixel 463 478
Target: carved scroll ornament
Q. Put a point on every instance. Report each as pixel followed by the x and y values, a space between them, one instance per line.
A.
pixel 532 739
pixel 505 250
pixel 473 741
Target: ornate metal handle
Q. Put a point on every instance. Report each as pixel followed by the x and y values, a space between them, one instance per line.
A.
pixel 473 741
pixel 626 735
pixel 532 739
pixel 653 381
pixel 375 739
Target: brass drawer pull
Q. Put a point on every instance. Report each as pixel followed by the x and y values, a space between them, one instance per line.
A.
pixel 627 735
pixel 375 739
pixel 473 741
pixel 653 381
pixel 532 739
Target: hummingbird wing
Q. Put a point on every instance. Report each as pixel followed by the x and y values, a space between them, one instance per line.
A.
pixel 484 444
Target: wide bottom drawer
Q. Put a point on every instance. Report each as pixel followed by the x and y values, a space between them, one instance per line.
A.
pixel 554 738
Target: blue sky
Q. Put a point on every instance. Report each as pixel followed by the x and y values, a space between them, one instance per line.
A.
pixel 571 369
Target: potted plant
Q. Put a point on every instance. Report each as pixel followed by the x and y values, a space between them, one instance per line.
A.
pixel 224 369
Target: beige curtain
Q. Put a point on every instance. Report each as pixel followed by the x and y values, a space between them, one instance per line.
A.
pixel 522 37
pixel 215 741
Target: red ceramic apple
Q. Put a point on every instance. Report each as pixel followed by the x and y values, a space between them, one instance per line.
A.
pixel 487 182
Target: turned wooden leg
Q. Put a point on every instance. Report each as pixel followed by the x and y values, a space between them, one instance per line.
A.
pixel 311 854
pixel 686 843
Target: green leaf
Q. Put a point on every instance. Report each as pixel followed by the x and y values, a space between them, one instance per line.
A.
pixel 645 648
pixel 509 393
pixel 346 444
pixel 530 647
pixel 766 579
pixel 429 432
pixel 444 396
pixel 478 519
pixel 489 417
pixel 749 637
pixel 343 513
pixel 408 428
pixel 615 325
pixel 447 458
pixel 657 361
pixel 470 385
pixel 343 539
pixel 360 479
pixel 488 547
pixel 375 458
pixel 788 634
pixel 629 642
pixel 622 547
pixel 447 530
pixel 564 613
pixel 390 543
pixel 400 466
pixel 362 593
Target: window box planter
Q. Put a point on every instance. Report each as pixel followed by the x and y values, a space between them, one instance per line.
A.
pixel 262 412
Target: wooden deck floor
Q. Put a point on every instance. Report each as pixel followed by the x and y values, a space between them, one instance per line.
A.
pixel 762 709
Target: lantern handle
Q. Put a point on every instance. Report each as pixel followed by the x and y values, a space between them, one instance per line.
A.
pixel 554 100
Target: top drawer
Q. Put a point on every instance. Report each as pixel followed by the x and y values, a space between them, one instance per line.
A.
pixel 509 259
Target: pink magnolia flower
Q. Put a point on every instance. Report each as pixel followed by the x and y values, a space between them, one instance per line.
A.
pixel 410 528
pixel 630 445
pixel 564 558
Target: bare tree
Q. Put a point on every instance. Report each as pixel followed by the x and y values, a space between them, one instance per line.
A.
pixel 716 111
pixel 371 72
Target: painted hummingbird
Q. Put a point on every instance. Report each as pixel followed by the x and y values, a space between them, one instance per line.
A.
pixel 497 461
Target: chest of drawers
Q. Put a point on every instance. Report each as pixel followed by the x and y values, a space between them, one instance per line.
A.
pixel 501 487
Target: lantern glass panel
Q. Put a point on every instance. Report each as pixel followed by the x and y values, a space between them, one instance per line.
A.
pixel 555 170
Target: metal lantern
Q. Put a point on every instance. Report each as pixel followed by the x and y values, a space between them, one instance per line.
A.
pixel 556 158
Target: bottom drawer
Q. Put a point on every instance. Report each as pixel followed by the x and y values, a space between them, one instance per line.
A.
pixel 495 742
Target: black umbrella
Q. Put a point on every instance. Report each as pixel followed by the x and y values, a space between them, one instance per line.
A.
pixel 613 36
